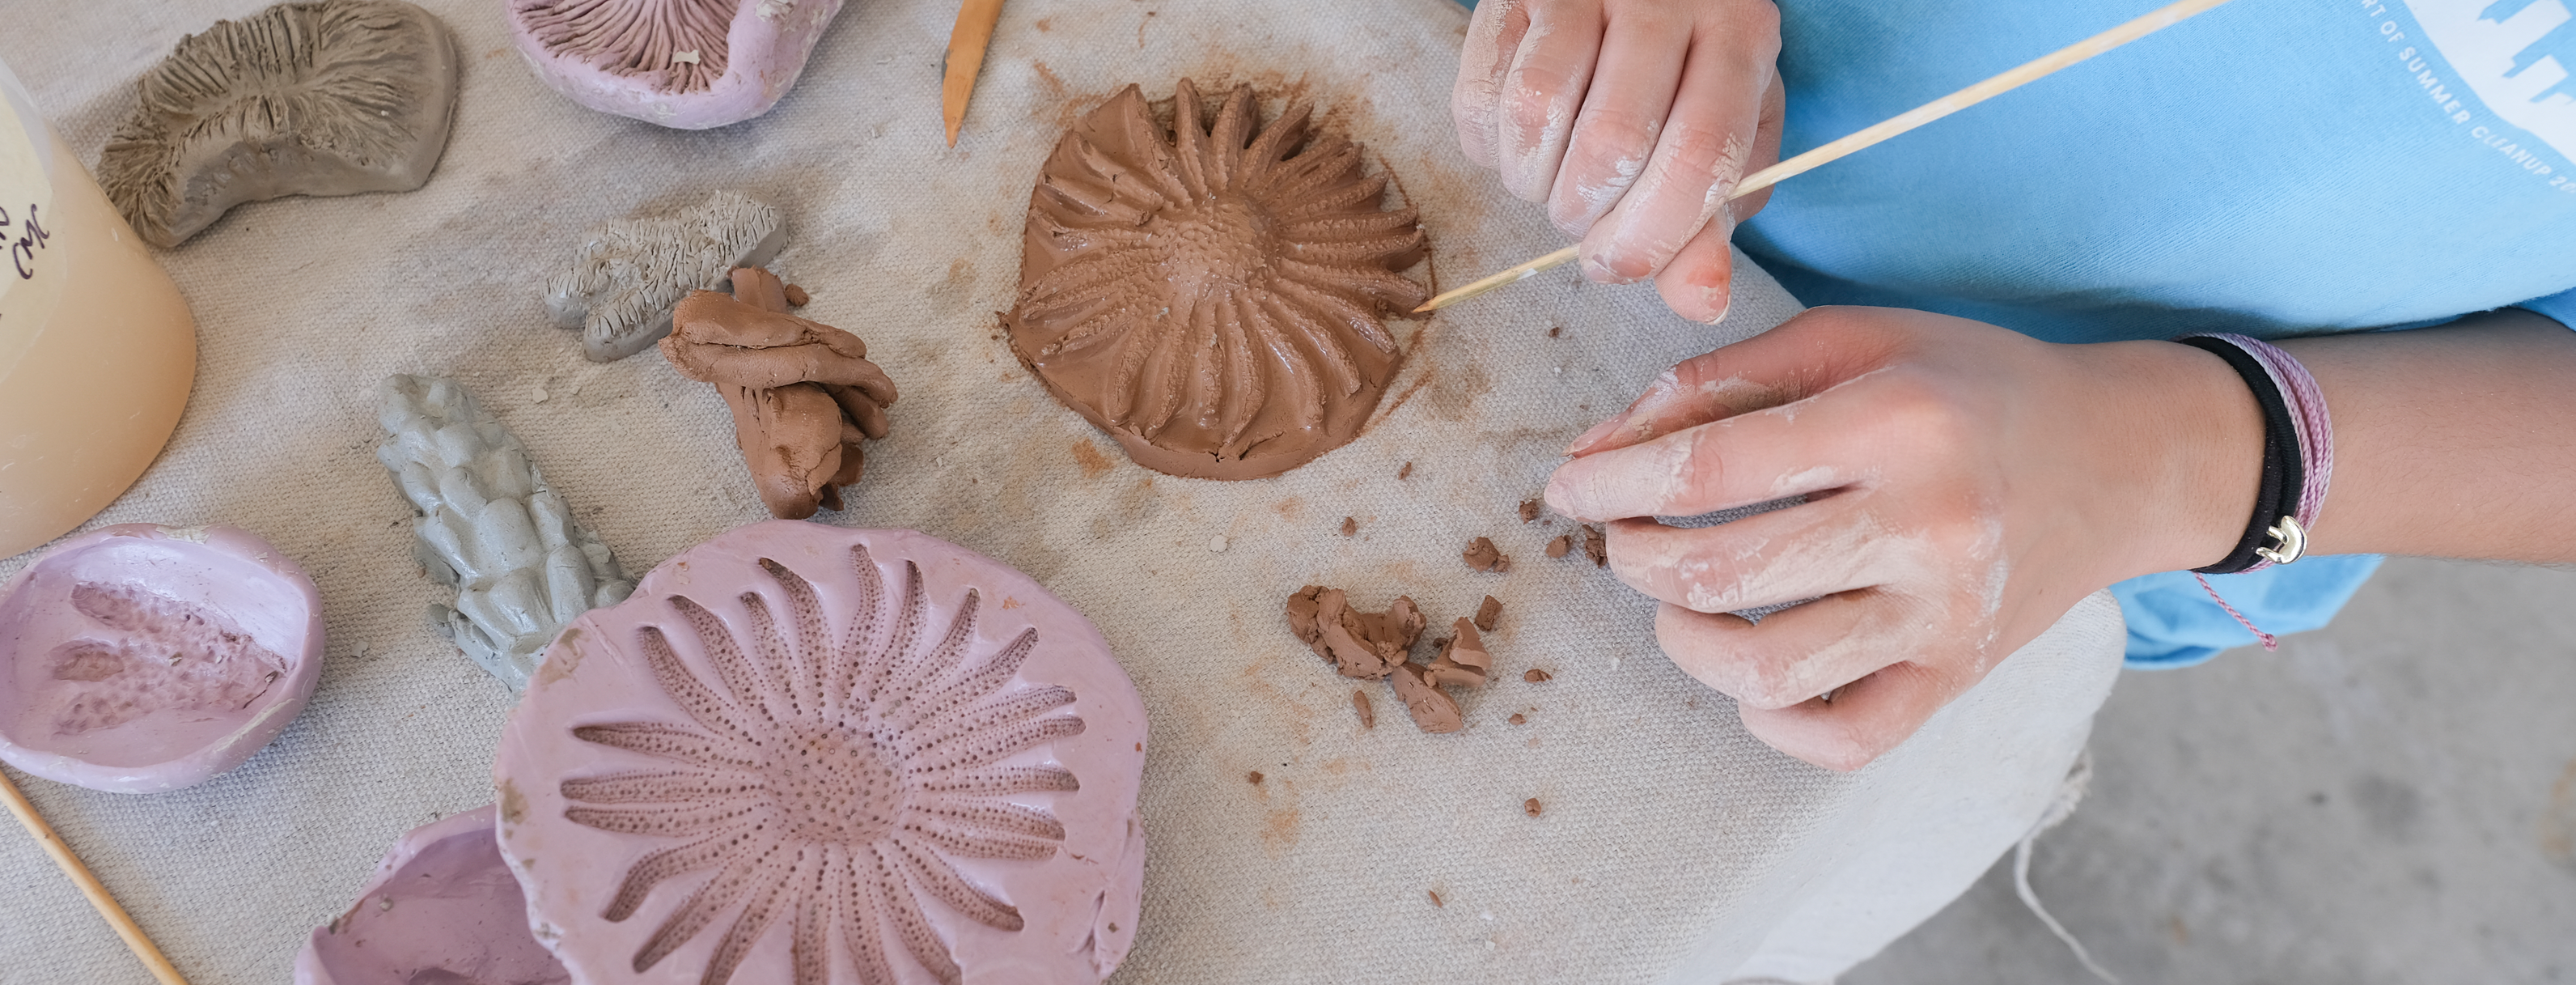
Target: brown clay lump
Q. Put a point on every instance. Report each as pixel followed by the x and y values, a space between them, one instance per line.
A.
pixel 1361 645
pixel 1350 526
pixel 1433 709
pixel 1596 546
pixel 1463 660
pixel 803 393
pixel 1529 510
pixel 1367 710
pixel 1488 613
pixel 1559 546
pixel 1482 555
pixel 330 98
pixel 1213 294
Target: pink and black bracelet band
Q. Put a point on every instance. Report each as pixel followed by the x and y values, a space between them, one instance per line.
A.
pixel 2298 451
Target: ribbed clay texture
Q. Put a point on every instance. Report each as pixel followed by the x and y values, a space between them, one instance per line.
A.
pixel 687 64
pixel 628 275
pixel 1214 296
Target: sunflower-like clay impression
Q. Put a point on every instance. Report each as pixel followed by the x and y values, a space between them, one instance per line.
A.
pixel 1215 298
pixel 812 755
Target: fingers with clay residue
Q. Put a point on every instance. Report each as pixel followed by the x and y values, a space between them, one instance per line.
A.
pixel 1493 38
pixel 1739 461
pixel 1865 719
pixel 1696 284
pixel 1542 93
pixel 1623 113
pixel 1698 157
pixel 1782 556
pixel 1793 655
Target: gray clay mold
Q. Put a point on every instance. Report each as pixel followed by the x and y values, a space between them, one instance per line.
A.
pixel 490 526
pixel 330 98
pixel 630 274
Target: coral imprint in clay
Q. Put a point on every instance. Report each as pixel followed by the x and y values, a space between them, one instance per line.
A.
pixel 490 526
pixel 139 658
pixel 689 64
pixel 443 909
pixel 807 754
pixel 623 283
pixel 803 393
pixel 330 98
pixel 1216 302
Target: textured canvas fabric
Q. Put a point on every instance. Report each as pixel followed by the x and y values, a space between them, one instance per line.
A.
pixel 1670 844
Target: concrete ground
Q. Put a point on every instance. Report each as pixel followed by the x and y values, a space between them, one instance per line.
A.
pixel 2389 800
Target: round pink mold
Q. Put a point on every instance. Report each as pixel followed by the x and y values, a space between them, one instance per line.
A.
pixel 685 64
pixel 805 754
pixel 443 909
pixel 137 658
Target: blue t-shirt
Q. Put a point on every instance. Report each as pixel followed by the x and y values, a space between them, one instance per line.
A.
pixel 2271 167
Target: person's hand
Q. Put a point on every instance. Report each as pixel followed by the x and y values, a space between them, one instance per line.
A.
pixel 1966 486
pixel 1631 120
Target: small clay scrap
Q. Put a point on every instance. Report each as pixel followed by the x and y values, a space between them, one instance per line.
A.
pixel 1529 510
pixel 332 98
pixel 1361 645
pixel 1255 777
pixel 1596 546
pixel 1560 546
pixel 796 296
pixel 1488 613
pixel 803 393
pixel 628 275
pixel 462 919
pixel 1370 646
pixel 1350 526
pixel 1537 676
pixel 1213 295
pixel 1482 555
pixel 1404 473
pixel 684 64
pixel 490 526
pixel 1530 807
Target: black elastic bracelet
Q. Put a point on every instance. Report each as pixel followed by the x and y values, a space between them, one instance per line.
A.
pixel 2282 471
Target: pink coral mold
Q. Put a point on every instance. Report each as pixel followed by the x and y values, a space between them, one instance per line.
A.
pixel 443 909
pixel 686 64
pixel 138 658
pixel 807 754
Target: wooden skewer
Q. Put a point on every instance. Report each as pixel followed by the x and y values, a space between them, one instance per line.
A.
pixel 966 44
pixel 2010 79
pixel 89 885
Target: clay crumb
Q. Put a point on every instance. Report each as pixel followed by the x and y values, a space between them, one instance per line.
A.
pixel 1350 526
pixel 1404 473
pixel 1361 645
pixel 1529 510
pixel 1488 613
pixel 1530 806
pixel 1462 660
pixel 1483 556
pixel 1254 776
pixel 1555 330
pixel 1435 898
pixel 1537 676
pixel 1518 719
pixel 1560 546
pixel 1368 711
pixel 1432 708
pixel 1596 546
pixel 796 296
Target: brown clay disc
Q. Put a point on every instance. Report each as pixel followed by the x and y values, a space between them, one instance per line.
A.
pixel 1213 294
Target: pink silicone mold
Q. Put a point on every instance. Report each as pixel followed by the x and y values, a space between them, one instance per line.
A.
pixel 807 754
pixel 686 64
pixel 442 910
pixel 138 657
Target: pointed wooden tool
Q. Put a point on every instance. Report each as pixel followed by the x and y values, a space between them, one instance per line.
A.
pixel 1908 120
pixel 966 44
pixel 89 885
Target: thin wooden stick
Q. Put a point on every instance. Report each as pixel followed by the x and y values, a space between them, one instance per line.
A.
pixel 89 885
pixel 966 44
pixel 1908 120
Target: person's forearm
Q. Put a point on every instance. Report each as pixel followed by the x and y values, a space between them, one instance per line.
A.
pixel 2454 441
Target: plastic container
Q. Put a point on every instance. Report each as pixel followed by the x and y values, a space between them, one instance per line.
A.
pixel 97 351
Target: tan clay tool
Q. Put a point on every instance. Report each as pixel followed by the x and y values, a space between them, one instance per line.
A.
pixel 89 885
pixel 2010 79
pixel 966 44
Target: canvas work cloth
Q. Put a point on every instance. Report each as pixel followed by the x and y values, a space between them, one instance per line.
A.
pixel 1671 846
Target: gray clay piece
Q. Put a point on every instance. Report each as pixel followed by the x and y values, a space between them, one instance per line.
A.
pixel 490 526
pixel 630 274
pixel 331 98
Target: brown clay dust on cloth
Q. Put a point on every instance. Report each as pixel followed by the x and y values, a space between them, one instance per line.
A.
pixel 803 394
pixel 1213 295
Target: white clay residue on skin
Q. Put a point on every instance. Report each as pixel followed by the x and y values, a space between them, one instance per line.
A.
pixel 1530 148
